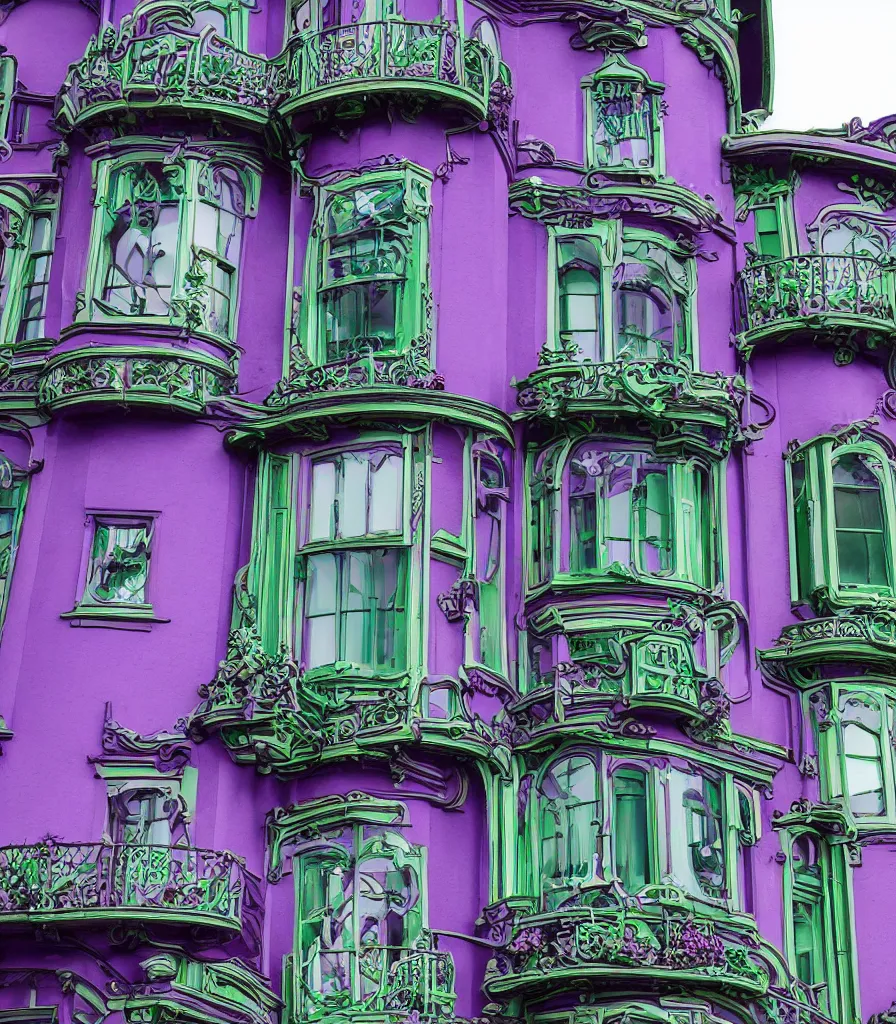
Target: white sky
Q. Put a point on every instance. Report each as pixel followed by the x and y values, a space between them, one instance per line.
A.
pixel 834 61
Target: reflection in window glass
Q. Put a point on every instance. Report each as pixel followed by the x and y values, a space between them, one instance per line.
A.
pixel 623 115
pixel 695 808
pixel 631 835
pixel 356 494
pixel 570 826
pixel 119 562
pixel 859 521
pixel 37 279
pixel 647 307
pixel 218 232
pixel 619 511
pixel 861 735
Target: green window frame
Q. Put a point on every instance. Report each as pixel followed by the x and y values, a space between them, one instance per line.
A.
pixel 840 492
pixel 819 938
pixel 116 577
pixel 600 817
pixel 620 294
pixel 356 555
pixel 367 267
pixel 165 244
pixel 768 231
pixel 622 505
pixel 623 120
pixel 488 560
pixel 13 495
pixel 25 267
pixel 855 740
pixel 315 16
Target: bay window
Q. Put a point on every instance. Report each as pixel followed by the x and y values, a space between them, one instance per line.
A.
pixel 166 241
pixel 623 119
pixel 623 506
pixel 29 220
pixel 601 817
pixel 841 497
pixel 367 267
pixel 621 294
pixel 356 561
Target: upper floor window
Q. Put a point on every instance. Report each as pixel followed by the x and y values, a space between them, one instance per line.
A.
pixel 624 507
pixel 603 817
pixel 13 492
pixel 489 547
pixel 226 19
pixel 842 552
pixel 356 556
pixel 25 266
pixel 623 119
pixel 367 267
pixel 621 295
pixel 167 237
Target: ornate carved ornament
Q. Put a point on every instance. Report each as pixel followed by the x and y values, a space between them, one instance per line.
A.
pixel 824 819
pixel 578 207
pixel 167 752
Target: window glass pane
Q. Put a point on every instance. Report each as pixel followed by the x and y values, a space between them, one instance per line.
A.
pixel 859 519
pixel 580 311
pixel 695 835
pixel 320 611
pixel 354 495
pixel 119 563
pixel 41 236
pixel 209 16
pixel 861 732
pixel 645 311
pixel 323 501
pixel 570 828
pixel 631 838
pixel 386 493
pixel 623 119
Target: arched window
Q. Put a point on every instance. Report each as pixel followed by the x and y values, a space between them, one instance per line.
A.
pixel 647 287
pixel 360 911
pixel 620 510
pixel 633 854
pixel 580 299
pixel 859 520
pixel 696 815
pixel 861 728
pixel 853 236
pixel 569 826
pixel 808 916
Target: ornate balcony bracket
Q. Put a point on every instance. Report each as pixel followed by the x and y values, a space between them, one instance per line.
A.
pixel 179 988
pixel 865 636
pixel 577 207
pixel 709 410
pixel 166 752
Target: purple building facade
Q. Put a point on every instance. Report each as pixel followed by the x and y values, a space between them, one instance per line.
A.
pixel 447 519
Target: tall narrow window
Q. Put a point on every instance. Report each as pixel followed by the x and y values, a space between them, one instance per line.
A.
pixel 697 855
pixel 859 521
pixel 631 830
pixel 12 504
pixel 569 810
pixel 356 562
pixel 623 119
pixel 491 498
pixel 619 511
pixel 37 278
pixel 808 917
pixel 219 225
pixel 802 556
pixel 767 232
pixel 364 270
pixel 141 236
pixel 861 731
pixel 143 817
pixel 580 301
pixel 360 913
pixel 648 288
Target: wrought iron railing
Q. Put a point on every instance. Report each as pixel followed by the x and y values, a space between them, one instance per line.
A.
pixel 397 51
pixel 773 293
pixel 376 979
pixel 176 68
pixel 87 878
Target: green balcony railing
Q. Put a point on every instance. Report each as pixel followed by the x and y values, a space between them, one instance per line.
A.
pixel 398 55
pixel 819 291
pixel 176 69
pixel 50 881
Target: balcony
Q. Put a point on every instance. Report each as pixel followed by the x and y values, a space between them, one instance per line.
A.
pixel 180 72
pixel 88 884
pixel 375 979
pixel 427 59
pixel 815 294
pixel 654 938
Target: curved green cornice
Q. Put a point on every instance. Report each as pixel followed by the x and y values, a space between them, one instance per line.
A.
pixel 392 403
pixel 655 12
pixel 684 407
pixel 840 149
pixel 578 206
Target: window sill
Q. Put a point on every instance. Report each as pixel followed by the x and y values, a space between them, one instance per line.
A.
pixel 138 617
